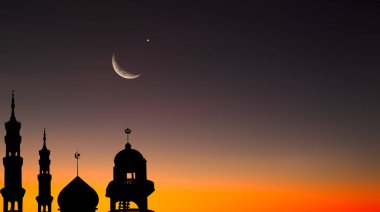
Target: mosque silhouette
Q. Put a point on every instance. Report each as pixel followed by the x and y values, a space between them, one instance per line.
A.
pixel 129 184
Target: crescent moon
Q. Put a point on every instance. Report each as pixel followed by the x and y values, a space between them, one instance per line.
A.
pixel 120 71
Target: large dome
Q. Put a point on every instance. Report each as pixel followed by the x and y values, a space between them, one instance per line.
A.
pixel 128 156
pixel 77 196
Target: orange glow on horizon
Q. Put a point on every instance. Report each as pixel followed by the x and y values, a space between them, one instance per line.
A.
pixel 264 198
pixel 186 183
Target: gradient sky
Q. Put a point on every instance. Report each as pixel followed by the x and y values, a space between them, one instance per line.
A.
pixel 267 106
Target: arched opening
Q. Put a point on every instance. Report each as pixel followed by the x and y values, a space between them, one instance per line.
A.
pixel 125 205
pixel 16 206
pixel 43 208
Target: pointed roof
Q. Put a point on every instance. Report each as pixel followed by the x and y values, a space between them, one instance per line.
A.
pixel 12 121
pixel 44 148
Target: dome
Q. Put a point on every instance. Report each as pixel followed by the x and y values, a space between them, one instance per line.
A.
pixel 128 157
pixel 78 196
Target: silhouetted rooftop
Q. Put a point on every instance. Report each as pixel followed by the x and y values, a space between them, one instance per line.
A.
pixel 128 156
pixel 77 196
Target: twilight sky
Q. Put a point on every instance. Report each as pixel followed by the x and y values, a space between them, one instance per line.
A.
pixel 266 106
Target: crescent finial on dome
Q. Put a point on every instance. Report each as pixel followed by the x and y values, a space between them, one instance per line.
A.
pixel 128 131
pixel 77 156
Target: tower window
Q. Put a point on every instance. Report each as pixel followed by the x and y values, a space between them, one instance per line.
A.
pixel 130 175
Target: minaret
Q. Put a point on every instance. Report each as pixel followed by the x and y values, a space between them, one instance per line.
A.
pixel 44 197
pixel 130 188
pixel 13 192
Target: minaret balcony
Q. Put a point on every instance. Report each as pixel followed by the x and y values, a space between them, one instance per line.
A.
pixel 119 189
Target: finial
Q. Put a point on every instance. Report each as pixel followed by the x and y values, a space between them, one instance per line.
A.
pixel 13 99
pixel 128 131
pixel 77 156
pixel 44 138
pixel 13 105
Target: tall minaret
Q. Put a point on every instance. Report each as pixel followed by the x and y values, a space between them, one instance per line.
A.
pixel 13 192
pixel 44 197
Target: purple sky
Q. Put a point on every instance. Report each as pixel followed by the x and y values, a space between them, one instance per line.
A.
pixel 227 81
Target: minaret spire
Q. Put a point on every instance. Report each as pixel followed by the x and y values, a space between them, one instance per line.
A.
pixel 13 117
pixel 13 123
pixel 44 138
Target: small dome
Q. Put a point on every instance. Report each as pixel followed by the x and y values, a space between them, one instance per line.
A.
pixel 128 156
pixel 78 195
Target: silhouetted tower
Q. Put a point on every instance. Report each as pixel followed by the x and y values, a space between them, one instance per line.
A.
pixel 44 197
pixel 13 192
pixel 129 182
